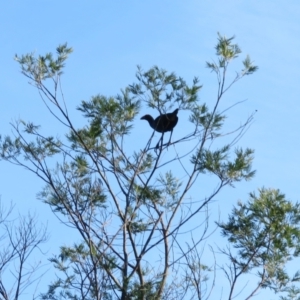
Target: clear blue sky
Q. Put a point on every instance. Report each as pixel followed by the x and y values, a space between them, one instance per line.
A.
pixel 111 37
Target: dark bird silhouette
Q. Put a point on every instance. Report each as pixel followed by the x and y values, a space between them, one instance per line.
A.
pixel 163 123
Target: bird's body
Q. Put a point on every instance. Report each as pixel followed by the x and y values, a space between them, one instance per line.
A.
pixel 163 123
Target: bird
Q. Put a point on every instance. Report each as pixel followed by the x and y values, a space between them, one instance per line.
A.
pixel 163 123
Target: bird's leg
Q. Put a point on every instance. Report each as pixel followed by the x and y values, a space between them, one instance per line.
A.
pixel 157 146
pixel 170 138
pixel 160 140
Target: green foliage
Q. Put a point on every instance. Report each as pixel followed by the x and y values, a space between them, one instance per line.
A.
pixel 265 231
pixel 226 52
pixel 292 293
pixel 70 262
pixel 171 191
pixel 249 67
pixel 218 163
pixel 163 90
pixel 36 150
pixel 44 67
pixel 112 114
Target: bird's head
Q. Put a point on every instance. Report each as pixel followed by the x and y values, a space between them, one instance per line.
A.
pixel 147 117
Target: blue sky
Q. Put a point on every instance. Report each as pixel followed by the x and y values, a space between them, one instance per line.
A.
pixel 110 38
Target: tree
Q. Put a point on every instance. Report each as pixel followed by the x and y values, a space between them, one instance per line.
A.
pixel 19 240
pixel 265 232
pixel 130 207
